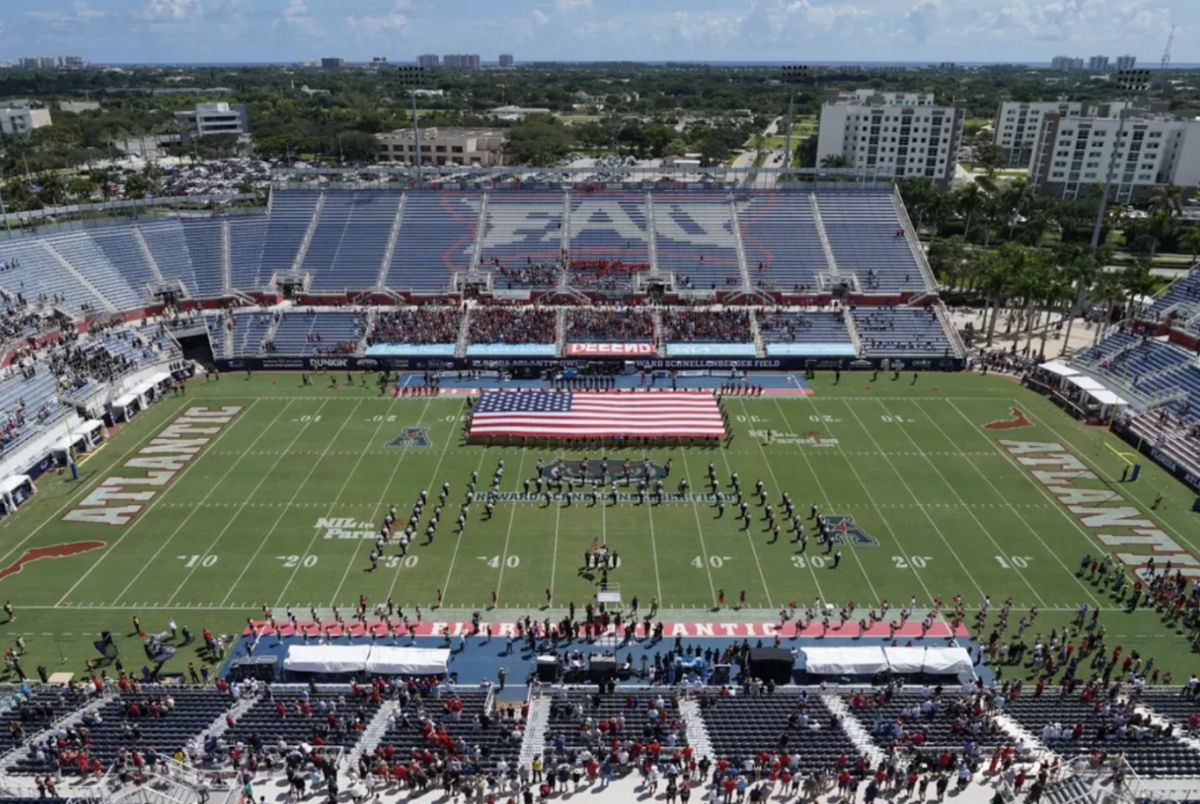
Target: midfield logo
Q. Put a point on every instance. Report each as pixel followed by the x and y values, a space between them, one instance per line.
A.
pixel 412 437
pixel 590 470
pixel 843 531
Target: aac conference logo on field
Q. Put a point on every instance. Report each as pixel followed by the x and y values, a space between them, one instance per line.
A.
pixel 412 437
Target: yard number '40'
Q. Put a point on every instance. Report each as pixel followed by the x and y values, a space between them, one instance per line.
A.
pixel 716 562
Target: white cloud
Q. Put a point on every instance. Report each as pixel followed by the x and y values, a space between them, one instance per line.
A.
pixel 567 6
pixel 923 19
pixel 392 21
pixel 79 14
pixel 298 17
pixel 539 16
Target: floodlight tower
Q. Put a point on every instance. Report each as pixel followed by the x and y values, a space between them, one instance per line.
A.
pixel 791 75
pixel 1166 57
pixel 414 78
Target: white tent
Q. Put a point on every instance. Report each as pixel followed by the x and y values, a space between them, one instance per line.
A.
pixel 1106 397
pixel 844 661
pixel 1054 367
pixel 1086 383
pixel 936 661
pixel 327 658
pixel 408 661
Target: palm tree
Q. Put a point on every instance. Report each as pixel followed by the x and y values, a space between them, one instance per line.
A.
pixel 1168 199
pixel 1190 239
pixel 997 272
pixel 1162 224
pixel 947 258
pixel 967 203
pixel 1136 280
pixel 1078 269
pixel 1108 290
pixel 1016 197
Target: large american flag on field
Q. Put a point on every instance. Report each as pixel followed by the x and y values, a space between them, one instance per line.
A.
pixel 578 414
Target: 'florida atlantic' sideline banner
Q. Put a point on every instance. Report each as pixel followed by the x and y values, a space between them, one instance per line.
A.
pixel 710 350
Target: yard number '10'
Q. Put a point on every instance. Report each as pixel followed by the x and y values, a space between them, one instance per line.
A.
pixel 198 561
pixel 1014 562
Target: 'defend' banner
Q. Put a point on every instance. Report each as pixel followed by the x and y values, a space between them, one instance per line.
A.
pixel 610 350
pixel 813 349
pixel 710 350
pixel 411 350
pixel 511 350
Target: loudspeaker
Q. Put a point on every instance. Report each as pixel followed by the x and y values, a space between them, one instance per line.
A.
pixel 773 664
pixel 602 669
pixel 547 669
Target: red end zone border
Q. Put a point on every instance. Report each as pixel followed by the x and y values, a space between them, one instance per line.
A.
pixel 426 628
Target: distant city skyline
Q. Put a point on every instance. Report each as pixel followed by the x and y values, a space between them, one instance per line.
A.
pixel 805 31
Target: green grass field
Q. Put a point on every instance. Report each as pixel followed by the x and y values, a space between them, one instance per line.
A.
pixel 241 525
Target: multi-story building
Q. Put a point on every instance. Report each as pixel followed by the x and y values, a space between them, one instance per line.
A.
pixel 1017 124
pixel 462 61
pixel 428 61
pixel 892 134
pixel 1098 63
pixel 38 62
pixel 332 63
pixel 1126 62
pixel 72 62
pixel 1066 64
pixel 22 119
pixel 444 146
pixel 1140 153
pixel 506 60
pixel 214 118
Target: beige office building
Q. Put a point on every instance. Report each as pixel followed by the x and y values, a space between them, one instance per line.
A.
pixel 444 146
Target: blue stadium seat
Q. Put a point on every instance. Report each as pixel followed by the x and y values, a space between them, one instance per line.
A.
pixel 783 247
pixel 437 238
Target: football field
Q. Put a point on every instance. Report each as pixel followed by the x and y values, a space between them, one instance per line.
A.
pixel 274 492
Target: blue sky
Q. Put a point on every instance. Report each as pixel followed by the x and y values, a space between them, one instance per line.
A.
pixel 809 31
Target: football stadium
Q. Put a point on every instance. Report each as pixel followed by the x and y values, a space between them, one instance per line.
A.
pixel 531 490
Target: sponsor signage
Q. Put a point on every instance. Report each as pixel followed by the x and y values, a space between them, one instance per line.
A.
pixel 610 350
pixel 1181 473
pixel 821 349
pixel 1120 529
pixel 120 498
pixel 511 350
pixel 710 350
pixel 411 350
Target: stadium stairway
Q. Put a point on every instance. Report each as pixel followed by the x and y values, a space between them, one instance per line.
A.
pixel 480 233
pixel 651 237
pixel 854 729
pixel 147 253
pixel 914 242
pixel 759 349
pixel 79 277
pixel 372 735
pixel 560 325
pixel 694 727
pixel 464 335
pixel 855 338
pixel 302 252
pixel 537 723
pixel 393 238
pixel 819 225
pixel 221 725
pixel 741 251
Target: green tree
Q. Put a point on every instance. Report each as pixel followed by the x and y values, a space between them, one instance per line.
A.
pixel 538 139
pixel 1190 239
pixel 835 161
pixel 355 146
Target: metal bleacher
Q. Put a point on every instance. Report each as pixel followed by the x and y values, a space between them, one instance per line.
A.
pixel 863 231
pixel 780 238
pixel 169 246
pixel 437 238
pixel 521 228
pixel 246 238
pixel 609 226
pixel 304 333
pixel 205 246
pixel 901 332
pixel 694 237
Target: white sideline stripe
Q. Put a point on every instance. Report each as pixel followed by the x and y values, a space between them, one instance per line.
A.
pixel 175 483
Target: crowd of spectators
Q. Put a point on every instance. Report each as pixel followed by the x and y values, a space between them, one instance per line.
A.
pixel 417 325
pixel 601 325
pixel 695 326
pixel 533 275
pixel 512 325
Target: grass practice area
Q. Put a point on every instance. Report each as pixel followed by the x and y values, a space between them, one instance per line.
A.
pixel 285 487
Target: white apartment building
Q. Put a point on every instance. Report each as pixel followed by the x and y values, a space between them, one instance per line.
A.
pixel 444 146
pixel 1072 154
pixel 506 60
pixel 428 61
pixel 1098 63
pixel 1126 62
pixel 22 119
pixel 462 61
pixel 1017 124
pixel 891 134
pixel 214 118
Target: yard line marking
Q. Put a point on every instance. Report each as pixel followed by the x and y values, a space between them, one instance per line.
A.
pixel 100 477
pixel 166 542
pixel 654 552
pixel 508 535
pixel 382 497
pixel 554 559
pixel 176 483
pixel 832 507
pixel 923 510
pixel 1053 502
pixel 458 540
pixel 299 487
pixel 954 491
pixel 704 548
pixel 238 512
pixel 882 518
pixel 1112 483
pixel 754 550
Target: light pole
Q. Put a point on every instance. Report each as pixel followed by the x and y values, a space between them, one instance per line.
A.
pixel 791 75
pixel 414 78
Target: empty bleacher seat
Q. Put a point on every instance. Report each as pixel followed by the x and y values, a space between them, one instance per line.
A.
pixel 694 238
pixel 308 334
pixel 168 245
pixel 291 213
pixel 864 233
pixel 205 238
pixel 437 237
pixel 246 237
pixel 521 229
pixel 901 331
pixel 782 245
pixel 744 726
